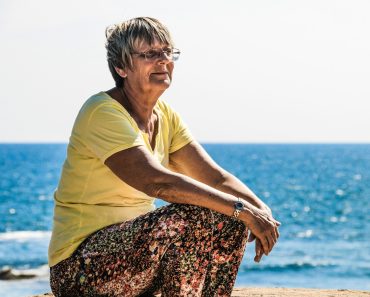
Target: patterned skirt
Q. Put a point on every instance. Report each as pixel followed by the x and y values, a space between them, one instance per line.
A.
pixel 176 250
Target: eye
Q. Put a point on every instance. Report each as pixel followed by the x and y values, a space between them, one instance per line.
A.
pixel 150 54
pixel 167 51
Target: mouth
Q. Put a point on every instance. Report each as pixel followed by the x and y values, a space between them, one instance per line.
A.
pixel 160 73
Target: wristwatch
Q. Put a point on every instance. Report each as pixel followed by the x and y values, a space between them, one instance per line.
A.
pixel 238 208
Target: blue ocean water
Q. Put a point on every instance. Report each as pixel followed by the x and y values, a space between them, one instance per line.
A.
pixel 320 192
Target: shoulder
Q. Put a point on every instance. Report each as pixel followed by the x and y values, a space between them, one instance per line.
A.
pixel 100 104
pixel 99 110
pixel 98 101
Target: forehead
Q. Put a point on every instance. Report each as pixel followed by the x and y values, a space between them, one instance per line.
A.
pixel 142 45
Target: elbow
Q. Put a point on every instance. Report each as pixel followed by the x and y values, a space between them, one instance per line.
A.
pixel 163 190
pixel 170 188
pixel 154 189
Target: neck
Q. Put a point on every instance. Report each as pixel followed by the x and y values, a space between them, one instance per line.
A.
pixel 140 105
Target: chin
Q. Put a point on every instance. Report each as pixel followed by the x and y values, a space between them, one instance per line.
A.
pixel 165 84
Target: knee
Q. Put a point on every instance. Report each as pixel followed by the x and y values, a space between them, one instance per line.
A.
pixel 191 215
pixel 196 217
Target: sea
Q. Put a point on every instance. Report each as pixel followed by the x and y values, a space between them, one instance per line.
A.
pixel 320 193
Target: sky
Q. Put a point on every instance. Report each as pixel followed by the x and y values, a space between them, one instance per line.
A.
pixel 250 71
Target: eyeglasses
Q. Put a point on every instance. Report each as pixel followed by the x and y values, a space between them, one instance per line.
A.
pixel 151 55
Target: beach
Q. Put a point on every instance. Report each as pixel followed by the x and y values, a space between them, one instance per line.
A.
pixel 285 292
pixel 290 292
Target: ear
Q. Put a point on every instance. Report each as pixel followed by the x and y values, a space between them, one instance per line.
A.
pixel 122 73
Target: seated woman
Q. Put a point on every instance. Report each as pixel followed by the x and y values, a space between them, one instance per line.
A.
pixel 127 147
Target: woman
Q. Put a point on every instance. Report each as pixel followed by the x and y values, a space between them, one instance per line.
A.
pixel 128 146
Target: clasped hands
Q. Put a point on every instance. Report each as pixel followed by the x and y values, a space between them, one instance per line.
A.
pixel 264 230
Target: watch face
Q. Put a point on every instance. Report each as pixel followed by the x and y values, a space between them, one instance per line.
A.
pixel 239 205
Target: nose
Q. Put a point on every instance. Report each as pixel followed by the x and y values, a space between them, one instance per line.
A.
pixel 164 58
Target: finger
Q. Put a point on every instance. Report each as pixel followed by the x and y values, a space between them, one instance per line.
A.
pixel 275 234
pixel 272 240
pixel 258 247
pixel 271 243
pixel 259 252
pixel 277 223
pixel 258 258
pixel 265 245
pixel 251 237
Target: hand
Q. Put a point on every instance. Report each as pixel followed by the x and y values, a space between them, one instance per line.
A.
pixel 268 209
pixel 259 251
pixel 252 237
pixel 263 227
pixel 258 247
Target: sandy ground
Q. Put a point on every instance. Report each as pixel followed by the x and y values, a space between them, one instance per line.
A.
pixel 284 292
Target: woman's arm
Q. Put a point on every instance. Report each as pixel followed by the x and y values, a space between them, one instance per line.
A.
pixel 192 160
pixel 138 168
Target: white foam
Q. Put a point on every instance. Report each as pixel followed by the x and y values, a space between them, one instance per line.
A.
pixel 42 270
pixel 305 234
pixel 339 192
pixel 25 235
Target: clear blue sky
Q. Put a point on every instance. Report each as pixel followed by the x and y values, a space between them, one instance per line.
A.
pixel 250 71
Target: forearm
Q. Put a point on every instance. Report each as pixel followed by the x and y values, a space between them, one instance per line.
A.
pixel 178 188
pixel 183 189
pixel 193 161
pixel 232 185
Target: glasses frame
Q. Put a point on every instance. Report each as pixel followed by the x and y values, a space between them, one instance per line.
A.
pixel 175 52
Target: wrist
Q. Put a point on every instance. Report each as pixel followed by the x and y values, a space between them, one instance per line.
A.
pixel 238 208
pixel 247 212
pixel 255 201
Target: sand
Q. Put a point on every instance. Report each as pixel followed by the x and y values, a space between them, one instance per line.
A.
pixel 285 292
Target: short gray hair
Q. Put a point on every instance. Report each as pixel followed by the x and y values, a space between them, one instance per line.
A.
pixel 122 37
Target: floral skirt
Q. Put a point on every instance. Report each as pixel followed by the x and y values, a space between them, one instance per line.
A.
pixel 176 250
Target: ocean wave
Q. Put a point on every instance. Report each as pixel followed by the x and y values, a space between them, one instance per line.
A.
pixel 296 266
pixel 24 235
pixel 9 273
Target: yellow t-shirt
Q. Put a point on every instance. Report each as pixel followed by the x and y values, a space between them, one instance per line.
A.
pixel 89 195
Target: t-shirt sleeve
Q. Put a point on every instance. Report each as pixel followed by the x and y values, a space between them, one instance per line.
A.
pixel 181 134
pixel 109 131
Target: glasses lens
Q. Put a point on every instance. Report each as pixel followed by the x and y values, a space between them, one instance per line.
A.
pixel 175 54
pixel 153 54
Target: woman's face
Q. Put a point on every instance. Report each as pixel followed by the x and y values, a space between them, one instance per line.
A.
pixel 150 74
